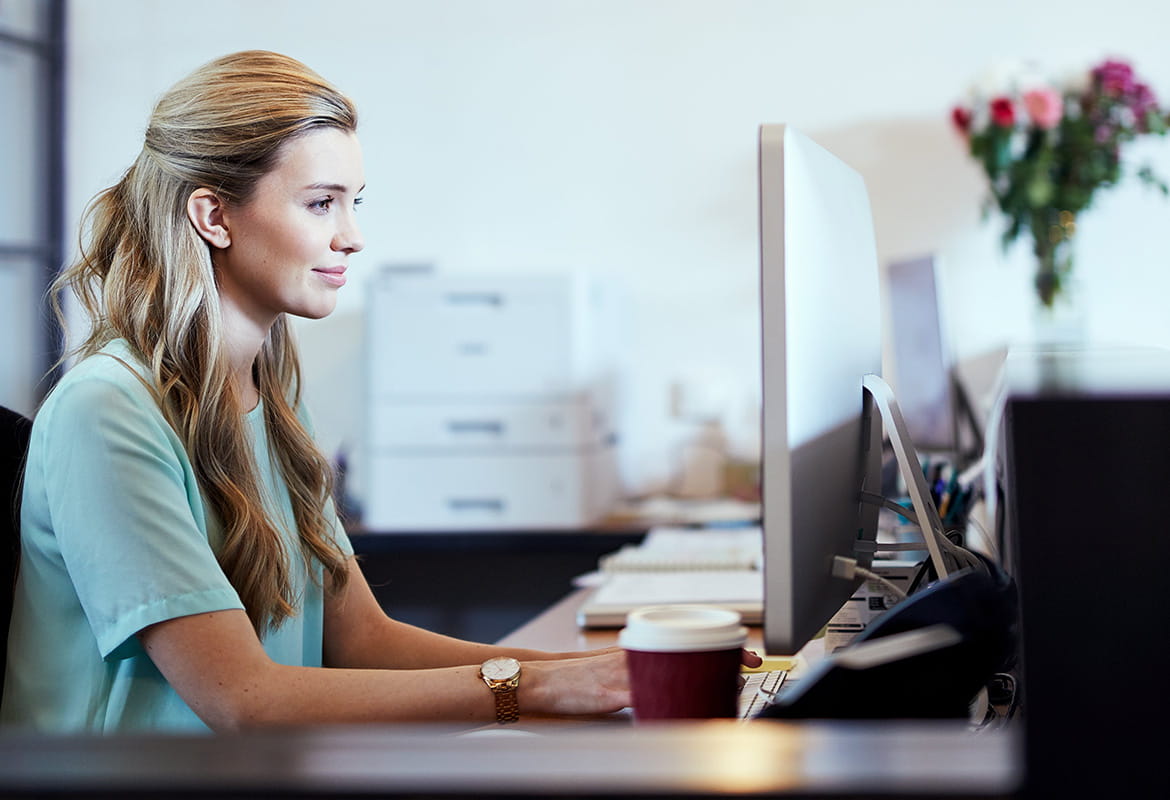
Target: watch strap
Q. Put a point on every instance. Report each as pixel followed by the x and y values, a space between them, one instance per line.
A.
pixel 507 706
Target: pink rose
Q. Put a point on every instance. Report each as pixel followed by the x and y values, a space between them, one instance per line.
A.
pixel 1003 113
pixel 1044 106
pixel 1114 77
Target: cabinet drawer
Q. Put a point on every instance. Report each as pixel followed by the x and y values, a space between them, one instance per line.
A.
pixel 421 492
pixel 478 336
pixel 491 425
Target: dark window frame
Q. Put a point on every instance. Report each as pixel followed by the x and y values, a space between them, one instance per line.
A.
pixel 49 251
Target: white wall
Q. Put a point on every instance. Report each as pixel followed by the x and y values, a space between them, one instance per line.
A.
pixel 618 136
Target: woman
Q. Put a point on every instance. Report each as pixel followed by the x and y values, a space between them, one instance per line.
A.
pixel 182 566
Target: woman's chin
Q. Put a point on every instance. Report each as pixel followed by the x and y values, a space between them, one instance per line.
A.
pixel 317 310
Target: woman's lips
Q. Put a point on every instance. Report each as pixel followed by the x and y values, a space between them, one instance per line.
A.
pixel 334 276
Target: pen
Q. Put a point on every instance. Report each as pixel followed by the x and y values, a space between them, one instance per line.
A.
pixel 936 492
pixel 938 471
pixel 949 495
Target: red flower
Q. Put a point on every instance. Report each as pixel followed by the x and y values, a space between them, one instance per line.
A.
pixel 961 117
pixel 1003 113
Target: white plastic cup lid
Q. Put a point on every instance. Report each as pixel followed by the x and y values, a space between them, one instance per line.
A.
pixel 681 628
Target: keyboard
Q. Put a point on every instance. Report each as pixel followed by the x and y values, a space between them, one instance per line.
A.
pixel 759 690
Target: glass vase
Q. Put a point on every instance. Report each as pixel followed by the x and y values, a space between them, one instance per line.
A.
pixel 1052 242
pixel 1062 323
pixel 1059 317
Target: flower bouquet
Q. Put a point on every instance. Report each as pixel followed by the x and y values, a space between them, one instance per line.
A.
pixel 1046 151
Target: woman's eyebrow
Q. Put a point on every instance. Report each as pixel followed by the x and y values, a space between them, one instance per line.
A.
pixel 332 187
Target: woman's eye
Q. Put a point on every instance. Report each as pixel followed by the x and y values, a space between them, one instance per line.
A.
pixel 321 205
pixel 357 201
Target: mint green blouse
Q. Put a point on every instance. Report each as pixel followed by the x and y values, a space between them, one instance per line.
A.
pixel 115 537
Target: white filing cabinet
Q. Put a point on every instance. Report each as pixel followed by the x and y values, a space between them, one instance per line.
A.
pixel 489 403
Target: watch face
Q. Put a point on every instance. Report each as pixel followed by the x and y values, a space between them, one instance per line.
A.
pixel 500 668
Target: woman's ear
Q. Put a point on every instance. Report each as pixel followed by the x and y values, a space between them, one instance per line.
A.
pixel 205 210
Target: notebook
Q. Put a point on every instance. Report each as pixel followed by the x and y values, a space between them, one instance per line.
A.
pixel 741 591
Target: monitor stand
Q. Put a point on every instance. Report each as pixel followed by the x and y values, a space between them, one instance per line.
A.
pixel 926 515
pixel 966 422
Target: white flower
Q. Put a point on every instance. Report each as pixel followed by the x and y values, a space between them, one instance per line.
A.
pixel 1007 78
pixel 1075 81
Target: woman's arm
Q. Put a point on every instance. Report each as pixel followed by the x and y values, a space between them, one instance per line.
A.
pixel 217 665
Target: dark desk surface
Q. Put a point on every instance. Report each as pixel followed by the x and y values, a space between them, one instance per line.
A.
pixel 583 759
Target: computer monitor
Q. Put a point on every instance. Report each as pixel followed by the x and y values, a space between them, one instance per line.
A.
pixel 821 327
pixel 938 407
pixel 824 402
pixel 923 364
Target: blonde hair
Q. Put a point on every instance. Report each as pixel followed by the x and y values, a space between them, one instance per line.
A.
pixel 146 276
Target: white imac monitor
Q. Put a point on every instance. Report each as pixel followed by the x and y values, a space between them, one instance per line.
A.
pixel 822 334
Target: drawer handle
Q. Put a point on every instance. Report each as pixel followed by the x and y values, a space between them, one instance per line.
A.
pixel 472 348
pixel 494 504
pixel 489 426
pixel 494 299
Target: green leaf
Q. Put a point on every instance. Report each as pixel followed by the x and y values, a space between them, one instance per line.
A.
pixel 1040 191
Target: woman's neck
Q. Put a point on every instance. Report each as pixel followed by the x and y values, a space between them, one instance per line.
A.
pixel 243 338
pixel 247 391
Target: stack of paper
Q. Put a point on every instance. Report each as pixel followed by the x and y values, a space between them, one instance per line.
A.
pixel 678 549
pixel 717 567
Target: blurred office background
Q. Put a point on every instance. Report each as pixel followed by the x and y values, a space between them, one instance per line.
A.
pixel 616 139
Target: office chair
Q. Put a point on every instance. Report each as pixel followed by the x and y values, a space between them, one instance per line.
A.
pixel 14 435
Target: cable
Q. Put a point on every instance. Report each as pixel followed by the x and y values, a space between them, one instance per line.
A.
pixel 848 569
pixel 894 589
pixel 955 556
pixel 988 542
pixel 991 458
pixel 1003 702
pixel 876 499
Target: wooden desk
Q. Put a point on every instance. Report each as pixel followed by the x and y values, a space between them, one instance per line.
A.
pixel 556 629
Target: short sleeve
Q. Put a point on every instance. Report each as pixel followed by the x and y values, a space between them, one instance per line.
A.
pixel 127 513
pixel 340 535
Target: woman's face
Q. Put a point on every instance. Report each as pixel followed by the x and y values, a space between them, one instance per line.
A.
pixel 289 245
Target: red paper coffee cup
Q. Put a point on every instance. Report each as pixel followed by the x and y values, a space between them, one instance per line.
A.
pixel 684 661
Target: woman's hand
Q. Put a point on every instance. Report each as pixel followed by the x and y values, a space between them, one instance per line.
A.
pixel 591 682
pixel 596 683
pixel 751 659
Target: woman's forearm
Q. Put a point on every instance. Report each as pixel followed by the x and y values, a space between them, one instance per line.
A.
pixel 390 644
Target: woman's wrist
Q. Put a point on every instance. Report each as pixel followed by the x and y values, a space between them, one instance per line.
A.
pixel 532 693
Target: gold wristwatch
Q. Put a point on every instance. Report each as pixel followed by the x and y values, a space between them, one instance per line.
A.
pixel 502 676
